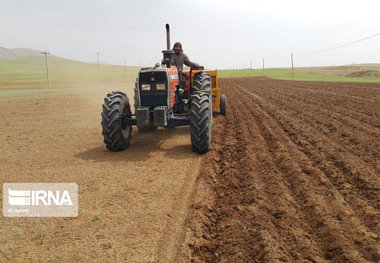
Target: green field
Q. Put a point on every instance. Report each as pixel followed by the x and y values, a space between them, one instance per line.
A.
pixel 31 71
pixel 312 74
pixel 26 77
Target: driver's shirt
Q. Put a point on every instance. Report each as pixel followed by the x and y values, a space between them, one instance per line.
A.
pixel 181 59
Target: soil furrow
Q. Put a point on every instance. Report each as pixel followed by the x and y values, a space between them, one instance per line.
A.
pixel 297 170
pixel 276 187
pixel 365 182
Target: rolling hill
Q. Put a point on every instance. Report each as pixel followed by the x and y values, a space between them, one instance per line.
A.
pixel 18 52
pixel 17 68
pixel 32 69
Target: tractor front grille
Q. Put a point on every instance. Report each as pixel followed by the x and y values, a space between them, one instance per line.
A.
pixel 153 76
pixel 153 99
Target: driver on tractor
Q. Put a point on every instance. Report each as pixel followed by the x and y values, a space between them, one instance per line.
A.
pixel 181 58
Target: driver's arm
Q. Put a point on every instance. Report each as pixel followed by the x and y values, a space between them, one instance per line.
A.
pixel 188 63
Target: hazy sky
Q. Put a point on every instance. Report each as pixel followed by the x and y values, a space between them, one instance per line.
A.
pixel 217 34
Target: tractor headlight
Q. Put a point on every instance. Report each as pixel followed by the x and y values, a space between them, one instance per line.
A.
pixel 160 86
pixel 145 87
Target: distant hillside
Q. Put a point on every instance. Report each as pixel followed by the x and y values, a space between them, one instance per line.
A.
pixel 32 69
pixel 371 70
pixel 351 73
pixel 18 52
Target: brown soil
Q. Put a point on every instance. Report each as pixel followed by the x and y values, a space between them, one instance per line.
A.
pixel 293 176
pixel 132 204
pixel 363 73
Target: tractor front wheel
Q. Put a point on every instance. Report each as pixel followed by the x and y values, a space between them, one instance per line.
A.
pixel 116 136
pixel 200 122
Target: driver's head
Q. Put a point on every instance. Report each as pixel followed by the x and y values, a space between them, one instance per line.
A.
pixel 177 47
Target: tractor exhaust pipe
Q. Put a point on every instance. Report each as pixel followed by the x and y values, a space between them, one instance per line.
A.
pixel 168 54
pixel 167 37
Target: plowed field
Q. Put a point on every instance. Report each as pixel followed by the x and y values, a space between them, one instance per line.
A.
pixel 293 176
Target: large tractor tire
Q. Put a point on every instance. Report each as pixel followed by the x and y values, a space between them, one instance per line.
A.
pixel 202 82
pixel 116 137
pixel 200 122
pixel 142 129
pixel 223 104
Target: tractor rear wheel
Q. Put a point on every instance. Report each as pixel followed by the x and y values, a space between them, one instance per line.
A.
pixel 142 129
pixel 223 104
pixel 202 82
pixel 116 136
pixel 200 122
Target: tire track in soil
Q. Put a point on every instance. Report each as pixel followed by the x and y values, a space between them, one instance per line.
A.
pixel 261 197
pixel 171 236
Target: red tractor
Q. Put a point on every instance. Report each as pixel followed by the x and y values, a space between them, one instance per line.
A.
pixel 158 102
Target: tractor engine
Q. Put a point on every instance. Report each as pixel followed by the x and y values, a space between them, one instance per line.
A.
pixel 155 95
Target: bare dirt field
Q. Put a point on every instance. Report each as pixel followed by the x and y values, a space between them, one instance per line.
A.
pixel 131 204
pixel 293 176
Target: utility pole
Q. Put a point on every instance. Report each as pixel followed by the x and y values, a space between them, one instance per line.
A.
pixel 97 59
pixel 251 63
pixel 292 67
pixel 125 63
pixel 263 66
pixel 47 70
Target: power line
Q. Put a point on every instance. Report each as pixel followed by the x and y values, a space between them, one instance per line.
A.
pixel 340 46
pixel 47 70
pixel 97 59
pixel 325 50
pixel 292 66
